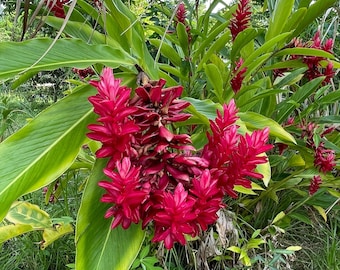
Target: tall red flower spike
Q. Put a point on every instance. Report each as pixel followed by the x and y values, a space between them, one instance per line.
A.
pixel 240 19
pixel 156 175
pixel 315 184
pixel 238 76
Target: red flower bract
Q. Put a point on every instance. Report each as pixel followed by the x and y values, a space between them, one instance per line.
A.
pixel 240 19
pixel 315 184
pixel 156 175
pixel 125 192
pixel 238 76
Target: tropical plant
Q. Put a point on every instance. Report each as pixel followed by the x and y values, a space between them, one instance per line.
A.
pixel 154 177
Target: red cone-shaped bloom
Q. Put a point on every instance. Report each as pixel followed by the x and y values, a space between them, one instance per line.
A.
pixel 240 19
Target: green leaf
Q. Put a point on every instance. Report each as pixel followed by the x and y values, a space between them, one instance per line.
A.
pixel 255 243
pixel 286 107
pixel 29 214
pixel 183 38
pixel 278 20
pixel 204 110
pixel 215 47
pixel 314 11
pixel 331 119
pixel 9 231
pixel 295 19
pixel 243 190
pixel 290 78
pixel 256 233
pixel 267 47
pixel 321 211
pixel 52 234
pixel 168 51
pixel 82 31
pixel 215 79
pixel 208 39
pixel 42 150
pixel 98 246
pixel 278 217
pixel 265 170
pixel 305 51
pixel 65 53
pixel 234 249
pixel 242 40
pixel 294 248
pixel 257 121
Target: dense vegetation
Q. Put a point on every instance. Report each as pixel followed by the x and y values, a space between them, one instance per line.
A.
pixel 170 135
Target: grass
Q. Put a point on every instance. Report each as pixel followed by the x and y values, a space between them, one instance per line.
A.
pixel 24 252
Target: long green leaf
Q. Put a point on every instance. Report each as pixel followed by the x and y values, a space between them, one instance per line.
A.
pixel 43 149
pixel 305 51
pixel 215 78
pixel 215 47
pixel 65 53
pixel 257 121
pixel 313 12
pixel 278 20
pixel 242 40
pixel 286 107
pixel 167 50
pixel 98 246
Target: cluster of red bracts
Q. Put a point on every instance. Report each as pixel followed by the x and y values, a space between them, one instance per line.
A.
pixel 315 64
pixel 156 175
pixel 324 159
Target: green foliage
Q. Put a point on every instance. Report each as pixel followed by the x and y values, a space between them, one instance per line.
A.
pixel 199 54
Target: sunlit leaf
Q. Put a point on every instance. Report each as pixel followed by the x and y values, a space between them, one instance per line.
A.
pixel 257 121
pixel 279 18
pixel 65 53
pixel 9 231
pixel 41 151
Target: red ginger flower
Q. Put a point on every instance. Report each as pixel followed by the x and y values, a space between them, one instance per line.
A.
pixel 209 199
pixel 57 7
pixel 125 192
pixel 174 218
pixel 233 157
pixel 324 159
pixel 238 76
pixel 116 129
pixel 181 13
pixel 240 19
pixel 156 177
pixel 315 184
pixel 83 73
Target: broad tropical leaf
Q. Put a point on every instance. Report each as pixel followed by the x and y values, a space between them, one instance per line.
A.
pixel 65 53
pixel 43 149
pixel 98 246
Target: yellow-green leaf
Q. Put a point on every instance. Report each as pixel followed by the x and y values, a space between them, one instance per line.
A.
pixel 234 249
pixel 278 217
pixel 9 231
pixel 321 211
pixel 29 214
pixel 294 248
pixel 242 189
pixel 52 234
